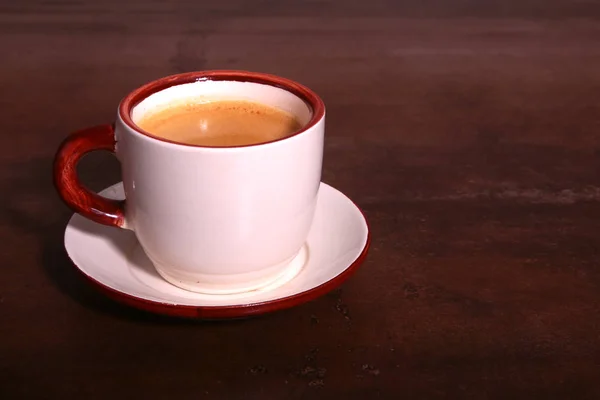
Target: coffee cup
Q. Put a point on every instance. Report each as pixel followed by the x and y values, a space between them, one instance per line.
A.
pixel 214 217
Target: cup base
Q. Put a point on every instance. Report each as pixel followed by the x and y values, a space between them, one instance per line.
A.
pixel 263 280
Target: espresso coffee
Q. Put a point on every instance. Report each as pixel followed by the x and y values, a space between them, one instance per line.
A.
pixel 220 123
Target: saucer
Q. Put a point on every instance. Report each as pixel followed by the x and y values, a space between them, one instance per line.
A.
pixel 113 261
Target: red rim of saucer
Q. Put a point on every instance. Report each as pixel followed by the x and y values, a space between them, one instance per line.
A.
pixel 313 101
pixel 234 311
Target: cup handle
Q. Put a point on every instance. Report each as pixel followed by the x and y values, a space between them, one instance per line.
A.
pixel 73 193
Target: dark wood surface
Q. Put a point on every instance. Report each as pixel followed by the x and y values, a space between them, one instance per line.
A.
pixel 468 131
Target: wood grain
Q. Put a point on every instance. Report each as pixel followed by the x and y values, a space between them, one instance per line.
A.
pixel 468 131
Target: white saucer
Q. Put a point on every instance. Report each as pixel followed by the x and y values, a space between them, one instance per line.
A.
pixel 113 261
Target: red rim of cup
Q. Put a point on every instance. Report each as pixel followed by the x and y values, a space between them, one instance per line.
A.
pixel 313 101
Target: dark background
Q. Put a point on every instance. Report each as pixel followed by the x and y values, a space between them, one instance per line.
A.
pixel 468 131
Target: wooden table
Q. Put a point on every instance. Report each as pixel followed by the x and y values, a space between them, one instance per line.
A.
pixel 467 131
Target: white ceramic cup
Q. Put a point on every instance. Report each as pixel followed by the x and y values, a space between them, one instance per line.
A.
pixel 211 219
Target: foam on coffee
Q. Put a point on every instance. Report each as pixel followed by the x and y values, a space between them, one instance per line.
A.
pixel 221 123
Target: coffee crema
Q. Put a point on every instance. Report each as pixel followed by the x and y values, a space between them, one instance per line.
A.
pixel 220 123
